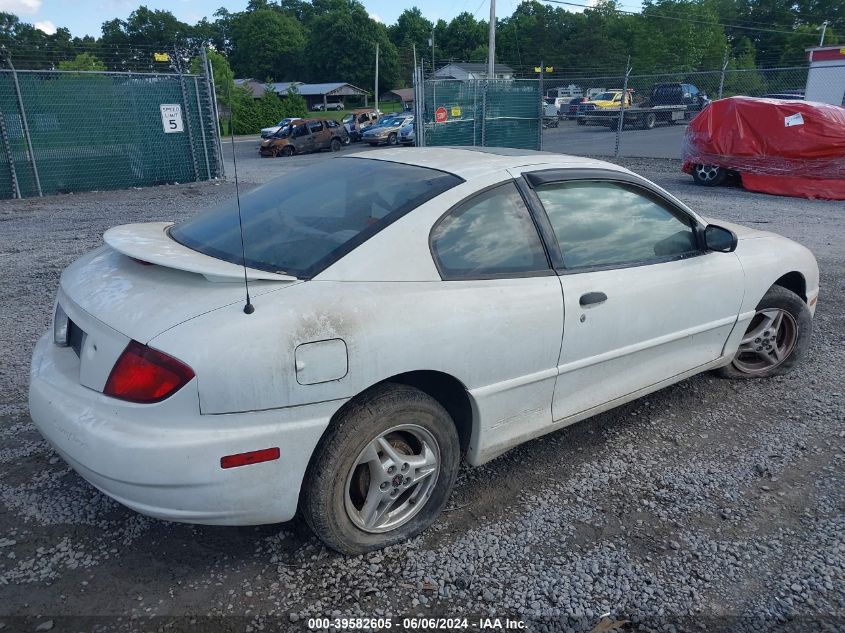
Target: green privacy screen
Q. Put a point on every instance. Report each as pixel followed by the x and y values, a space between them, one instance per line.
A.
pixel 499 113
pixel 91 131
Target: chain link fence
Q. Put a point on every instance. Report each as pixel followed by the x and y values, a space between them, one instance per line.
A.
pixel 478 112
pixel 655 114
pixel 72 131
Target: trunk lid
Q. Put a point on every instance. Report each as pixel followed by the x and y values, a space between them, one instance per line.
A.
pixel 143 283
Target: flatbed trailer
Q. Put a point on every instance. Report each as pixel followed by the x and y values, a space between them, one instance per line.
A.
pixel 637 116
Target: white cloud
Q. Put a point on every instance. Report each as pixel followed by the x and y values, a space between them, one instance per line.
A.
pixel 48 27
pixel 374 16
pixel 26 7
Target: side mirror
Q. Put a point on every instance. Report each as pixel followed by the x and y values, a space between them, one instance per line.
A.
pixel 720 239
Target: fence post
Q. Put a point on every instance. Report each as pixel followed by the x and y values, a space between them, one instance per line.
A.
pixel 722 79
pixel 621 123
pixel 185 105
pixel 215 113
pixel 542 108
pixel 483 112
pixel 474 111
pixel 30 151
pixel 202 129
pixel 16 190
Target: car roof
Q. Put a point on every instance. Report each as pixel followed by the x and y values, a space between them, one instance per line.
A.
pixel 472 162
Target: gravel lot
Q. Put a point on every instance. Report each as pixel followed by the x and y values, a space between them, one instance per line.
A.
pixel 710 505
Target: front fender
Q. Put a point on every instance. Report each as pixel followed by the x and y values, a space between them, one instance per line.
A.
pixel 768 257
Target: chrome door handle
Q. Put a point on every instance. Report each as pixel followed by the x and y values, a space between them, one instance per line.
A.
pixel 592 298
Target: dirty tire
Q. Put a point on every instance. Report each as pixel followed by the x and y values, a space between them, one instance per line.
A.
pixel 581 121
pixel 392 138
pixel 778 298
pixel 648 121
pixel 324 495
pixel 336 144
pixel 287 150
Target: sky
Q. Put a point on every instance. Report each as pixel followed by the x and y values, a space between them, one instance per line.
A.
pixel 84 17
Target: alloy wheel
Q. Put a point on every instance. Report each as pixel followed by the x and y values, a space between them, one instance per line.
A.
pixel 768 342
pixel 392 478
pixel 707 173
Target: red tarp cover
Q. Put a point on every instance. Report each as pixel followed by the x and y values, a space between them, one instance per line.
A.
pixel 792 148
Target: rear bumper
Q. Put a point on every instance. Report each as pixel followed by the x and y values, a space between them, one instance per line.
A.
pixel 163 459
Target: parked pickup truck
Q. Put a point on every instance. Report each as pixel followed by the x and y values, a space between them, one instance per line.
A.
pixel 599 105
pixel 669 103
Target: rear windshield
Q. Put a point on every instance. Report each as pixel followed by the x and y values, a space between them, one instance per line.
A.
pixel 303 222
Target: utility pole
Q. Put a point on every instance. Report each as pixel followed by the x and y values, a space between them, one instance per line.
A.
pixel 824 28
pixel 432 52
pixel 722 76
pixel 376 76
pixel 491 45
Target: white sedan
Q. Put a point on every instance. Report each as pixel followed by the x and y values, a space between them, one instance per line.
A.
pixel 416 306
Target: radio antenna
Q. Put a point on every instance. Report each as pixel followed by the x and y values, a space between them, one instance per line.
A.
pixel 248 308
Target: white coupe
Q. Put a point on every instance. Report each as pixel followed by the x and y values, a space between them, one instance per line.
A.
pixel 412 307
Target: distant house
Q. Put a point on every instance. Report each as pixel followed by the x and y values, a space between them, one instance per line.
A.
pixel 330 93
pixel 471 70
pixel 255 87
pixel 259 87
pixel 314 93
pixel 281 87
pixel 405 95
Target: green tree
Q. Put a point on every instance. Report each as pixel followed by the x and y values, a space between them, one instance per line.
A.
pixel 30 47
pixel 83 61
pixel 271 109
pixel 224 78
pixel 411 29
pixel 294 104
pixel 129 44
pixel 246 116
pixel 463 35
pixel 266 43
pixel 342 46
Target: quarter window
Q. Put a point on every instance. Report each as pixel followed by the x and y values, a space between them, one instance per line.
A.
pixel 491 234
pixel 608 223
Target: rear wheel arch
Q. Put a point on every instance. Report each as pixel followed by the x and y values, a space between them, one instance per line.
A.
pixel 447 390
pixel 450 393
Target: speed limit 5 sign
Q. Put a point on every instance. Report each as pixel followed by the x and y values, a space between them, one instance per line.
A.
pixel 171 118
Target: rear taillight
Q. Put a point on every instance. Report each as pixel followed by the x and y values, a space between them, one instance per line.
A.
pixel 145 375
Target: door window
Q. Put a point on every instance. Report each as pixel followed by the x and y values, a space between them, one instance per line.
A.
pixel 315 126
pixel 491 234
pixel 300 131
pixel 612 224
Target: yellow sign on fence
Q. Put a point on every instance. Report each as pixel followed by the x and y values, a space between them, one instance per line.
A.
pixel 161 57
pixel 456 111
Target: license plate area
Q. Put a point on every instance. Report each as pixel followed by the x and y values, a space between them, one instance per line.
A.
pixel 75 337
